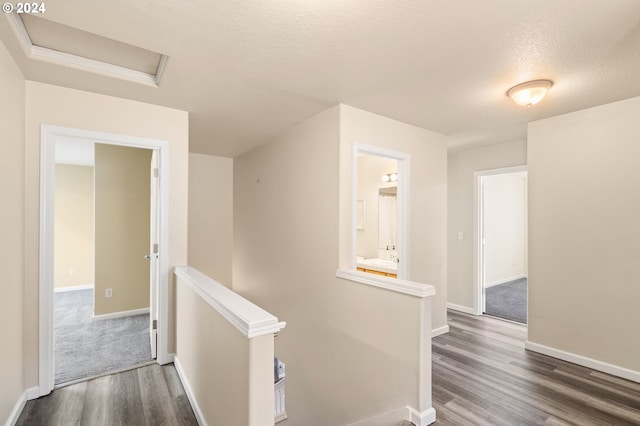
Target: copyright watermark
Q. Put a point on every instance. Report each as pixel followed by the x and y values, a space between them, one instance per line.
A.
pixel 28 8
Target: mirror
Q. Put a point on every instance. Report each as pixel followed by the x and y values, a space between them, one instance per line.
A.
pixel 387 208
pixel 377 190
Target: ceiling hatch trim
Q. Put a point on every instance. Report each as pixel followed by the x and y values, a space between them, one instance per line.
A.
pixel 80 62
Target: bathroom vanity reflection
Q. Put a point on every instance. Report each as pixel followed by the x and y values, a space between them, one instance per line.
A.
pixel 377 242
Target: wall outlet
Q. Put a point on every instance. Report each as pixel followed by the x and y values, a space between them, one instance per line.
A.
pixel 109 292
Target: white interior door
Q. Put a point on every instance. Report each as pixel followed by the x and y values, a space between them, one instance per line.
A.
pixel 153 254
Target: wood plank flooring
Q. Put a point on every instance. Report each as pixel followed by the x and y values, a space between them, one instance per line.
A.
pixel 150 395
pixel 482 375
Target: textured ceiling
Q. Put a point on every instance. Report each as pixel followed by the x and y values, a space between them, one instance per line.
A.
pixel 246 70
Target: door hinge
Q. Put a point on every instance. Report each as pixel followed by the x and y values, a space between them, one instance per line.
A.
pixel 155 324
pixel 156 172
pixel 155 248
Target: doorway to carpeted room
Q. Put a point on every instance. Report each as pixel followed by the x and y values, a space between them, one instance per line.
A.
pixel 85 347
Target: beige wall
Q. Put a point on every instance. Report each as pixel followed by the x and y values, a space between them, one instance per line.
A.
pixel 461 168
pixel 12 87
pixel 217 373
pixel 53 105
pixel 122 210
pixel 74 243
pixel 211 216
pixel 584 205
pixel 370 171
pixel 505 228
pixel 341 337
pixel 428 194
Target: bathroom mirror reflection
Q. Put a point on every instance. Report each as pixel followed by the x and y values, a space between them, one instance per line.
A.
pixel 376 244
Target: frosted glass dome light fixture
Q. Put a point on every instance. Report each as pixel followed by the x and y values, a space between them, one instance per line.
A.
pixel 529 93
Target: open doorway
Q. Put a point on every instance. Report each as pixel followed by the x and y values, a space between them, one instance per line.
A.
pixel 502 243
pixel 153 254
pixel 101 279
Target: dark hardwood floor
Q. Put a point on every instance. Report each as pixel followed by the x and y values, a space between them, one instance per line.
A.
pixel 482 375
pixel 150 395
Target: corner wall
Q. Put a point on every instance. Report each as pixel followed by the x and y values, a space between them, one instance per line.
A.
pixel 59 106
pixel 12 111
pixel 352 351
pixel 584 234
pixel 211 216
pixel 427 198
pixel 461 168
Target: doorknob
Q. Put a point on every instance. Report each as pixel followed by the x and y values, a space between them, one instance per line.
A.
pixel 148 256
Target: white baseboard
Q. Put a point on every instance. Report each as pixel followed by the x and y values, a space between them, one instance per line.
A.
pixel 171 358
pixel 33 393
pixel 73 288
pixel 505 280
pixel 388 418
pixel 425 418
pixel 461 308
pixel 594 364
pixel 17 409
pixel 440 330
pixel 189 391
pixel 121 314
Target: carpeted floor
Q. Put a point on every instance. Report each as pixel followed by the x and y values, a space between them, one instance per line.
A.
pixel 84 347
pixel 508 301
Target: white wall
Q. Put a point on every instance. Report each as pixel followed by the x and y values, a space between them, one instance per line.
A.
pixel 59 106
pixel 505 228
pixel 211 216
pixel 12 87
pixel 584 234
pixel 428 195
pixel 461 168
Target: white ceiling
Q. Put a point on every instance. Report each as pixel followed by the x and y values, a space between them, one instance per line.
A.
pixel 246 70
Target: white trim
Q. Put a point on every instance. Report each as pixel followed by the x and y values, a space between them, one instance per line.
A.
pixel 477 238
pixel 404 183
pixel 171 357
pixel 17 409
pixel 189 391
pixel 504 281
pixel 439 331
pixel 73 288
pixel 48 136
pixel 424 418
pixel 33 393
pixel 251 320
pixel 460 308
pixel 120 314
pixel 584 361
pixel 390 417
pixel 79 62
pixel 398 285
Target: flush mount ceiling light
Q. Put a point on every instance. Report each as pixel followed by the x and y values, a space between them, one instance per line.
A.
pixel 529 93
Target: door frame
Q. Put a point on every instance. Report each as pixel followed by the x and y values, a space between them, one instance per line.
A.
pixel 48 136
pixel 478 247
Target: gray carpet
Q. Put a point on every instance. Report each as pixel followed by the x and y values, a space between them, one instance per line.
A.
pixel 508 301
pixel 84 347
